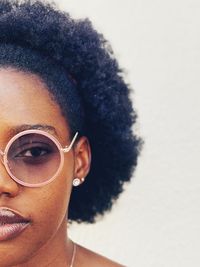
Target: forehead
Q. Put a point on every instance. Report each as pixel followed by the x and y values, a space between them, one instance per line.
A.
pixel 25 99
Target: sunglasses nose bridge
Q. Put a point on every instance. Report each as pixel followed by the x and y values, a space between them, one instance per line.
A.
pixel 1 156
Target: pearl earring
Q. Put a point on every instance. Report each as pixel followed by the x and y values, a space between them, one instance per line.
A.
pixel 77 181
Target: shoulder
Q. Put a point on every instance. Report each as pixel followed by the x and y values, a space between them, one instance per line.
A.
pixel 88 258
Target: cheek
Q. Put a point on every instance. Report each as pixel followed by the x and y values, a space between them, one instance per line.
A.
pixel 49 206
pixel 54 200
pixel 50 202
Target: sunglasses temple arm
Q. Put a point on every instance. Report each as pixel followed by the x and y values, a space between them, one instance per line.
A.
pixel 67 148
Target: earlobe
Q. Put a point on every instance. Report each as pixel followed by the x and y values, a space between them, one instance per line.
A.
pixel 82 159
pixel 78 181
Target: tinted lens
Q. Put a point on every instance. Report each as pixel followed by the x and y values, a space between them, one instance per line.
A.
pixel 33 158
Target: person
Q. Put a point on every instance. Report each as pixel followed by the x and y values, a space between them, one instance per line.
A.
pixel 67 144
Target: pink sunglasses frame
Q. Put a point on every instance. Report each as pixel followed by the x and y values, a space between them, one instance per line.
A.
pixel 61 149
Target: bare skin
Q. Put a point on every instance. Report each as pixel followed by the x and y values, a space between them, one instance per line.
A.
pixel 25 100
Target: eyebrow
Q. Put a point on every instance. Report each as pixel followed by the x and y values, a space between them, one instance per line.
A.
pixel 17 129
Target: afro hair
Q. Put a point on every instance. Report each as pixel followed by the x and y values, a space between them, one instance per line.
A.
pixel 83 75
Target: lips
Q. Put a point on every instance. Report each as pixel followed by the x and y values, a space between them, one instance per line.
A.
pixel 11 224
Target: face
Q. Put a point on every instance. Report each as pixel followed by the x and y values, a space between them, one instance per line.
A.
pixel 25 100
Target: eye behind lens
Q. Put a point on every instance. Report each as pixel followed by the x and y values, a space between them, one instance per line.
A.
pixel 33 158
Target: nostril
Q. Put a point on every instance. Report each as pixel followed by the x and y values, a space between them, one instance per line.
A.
pixel 8 187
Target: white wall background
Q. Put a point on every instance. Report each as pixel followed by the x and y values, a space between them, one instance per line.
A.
pixel 156 222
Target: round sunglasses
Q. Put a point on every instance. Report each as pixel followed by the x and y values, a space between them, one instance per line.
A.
pixel 34 158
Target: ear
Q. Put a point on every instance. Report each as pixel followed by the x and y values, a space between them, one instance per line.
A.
pixel 82 153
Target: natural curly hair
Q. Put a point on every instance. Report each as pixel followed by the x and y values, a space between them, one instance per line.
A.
pixel 83 77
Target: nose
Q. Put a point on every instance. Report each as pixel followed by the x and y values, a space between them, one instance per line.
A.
pixel 8 187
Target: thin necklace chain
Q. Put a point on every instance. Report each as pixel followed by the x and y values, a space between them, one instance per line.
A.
pixel 73 255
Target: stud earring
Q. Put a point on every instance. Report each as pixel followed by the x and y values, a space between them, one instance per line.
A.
pixel 77 181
